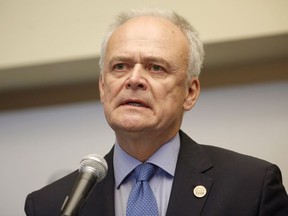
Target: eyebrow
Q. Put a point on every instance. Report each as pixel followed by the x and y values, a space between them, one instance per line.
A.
pixel 143 59
pixel 119 58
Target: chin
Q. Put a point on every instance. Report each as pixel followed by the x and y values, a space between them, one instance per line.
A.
pixel 130 123
pixel 129 127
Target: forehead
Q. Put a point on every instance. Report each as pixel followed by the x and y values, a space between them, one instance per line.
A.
pixel 149 32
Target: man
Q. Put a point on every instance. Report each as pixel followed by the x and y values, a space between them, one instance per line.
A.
pixel 150 62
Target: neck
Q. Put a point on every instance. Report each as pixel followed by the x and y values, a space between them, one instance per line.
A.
pixel 142 146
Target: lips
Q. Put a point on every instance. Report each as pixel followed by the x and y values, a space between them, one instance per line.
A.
pixel 134 103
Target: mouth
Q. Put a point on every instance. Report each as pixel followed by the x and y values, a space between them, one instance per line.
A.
pixel 135 103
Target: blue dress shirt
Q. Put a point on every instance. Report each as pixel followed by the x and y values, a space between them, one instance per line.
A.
pixel 161 183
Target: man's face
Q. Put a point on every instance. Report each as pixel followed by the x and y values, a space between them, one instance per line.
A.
pixel 144 86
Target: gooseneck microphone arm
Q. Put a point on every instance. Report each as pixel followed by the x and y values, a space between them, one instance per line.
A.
pixel 93 169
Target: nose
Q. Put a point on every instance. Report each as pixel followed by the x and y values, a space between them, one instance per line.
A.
pixel 136 79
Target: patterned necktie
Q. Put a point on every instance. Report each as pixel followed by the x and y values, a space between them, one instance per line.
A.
pixel 141 200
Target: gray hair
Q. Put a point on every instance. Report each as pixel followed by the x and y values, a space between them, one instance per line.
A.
pixel 196 51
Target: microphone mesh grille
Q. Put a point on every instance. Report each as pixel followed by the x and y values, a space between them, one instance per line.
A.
pixel 96 164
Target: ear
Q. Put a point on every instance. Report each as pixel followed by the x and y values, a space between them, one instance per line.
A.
pixel 193 91
pixel 101 87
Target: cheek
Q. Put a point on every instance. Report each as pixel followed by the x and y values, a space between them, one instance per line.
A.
pixel 165 98
pixel 171 99
pixel 110 88
pixel 170 91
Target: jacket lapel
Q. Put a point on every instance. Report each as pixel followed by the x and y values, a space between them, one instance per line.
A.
pixel 190 173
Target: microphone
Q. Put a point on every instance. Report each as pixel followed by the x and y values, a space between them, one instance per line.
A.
pixel 93 169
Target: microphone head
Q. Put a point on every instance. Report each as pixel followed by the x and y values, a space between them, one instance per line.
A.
pixel 94 164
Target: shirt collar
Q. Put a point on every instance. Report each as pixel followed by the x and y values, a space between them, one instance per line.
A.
pixel 165 158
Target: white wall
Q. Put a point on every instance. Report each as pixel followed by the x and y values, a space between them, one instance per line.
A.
pixel 35 32
pixel 39 144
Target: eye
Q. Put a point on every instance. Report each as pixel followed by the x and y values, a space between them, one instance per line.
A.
pixel 119 67
pixel 156 68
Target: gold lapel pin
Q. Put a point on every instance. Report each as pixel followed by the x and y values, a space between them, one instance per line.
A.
pixel 199 191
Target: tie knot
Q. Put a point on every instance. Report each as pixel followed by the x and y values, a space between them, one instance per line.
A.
pixel 144 171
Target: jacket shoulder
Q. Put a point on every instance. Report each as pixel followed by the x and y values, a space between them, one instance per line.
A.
pixel 221 155
pixel 48 200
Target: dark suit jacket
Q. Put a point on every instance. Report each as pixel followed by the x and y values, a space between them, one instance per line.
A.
pixel 237 185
